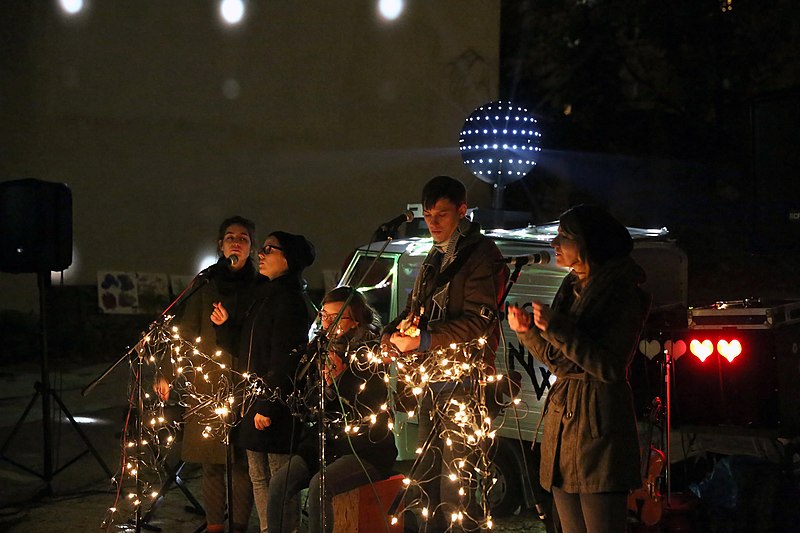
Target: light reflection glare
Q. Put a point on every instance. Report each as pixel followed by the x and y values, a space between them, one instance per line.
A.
pixel 232 11
pixel 71 7
pixel 390 9
pixel 90 420
pixel 70 274
pixel 206 261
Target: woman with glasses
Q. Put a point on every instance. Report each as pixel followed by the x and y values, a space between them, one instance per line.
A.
pixel 356 398
pixel 275 325
pixel 587 338
pixel 229 285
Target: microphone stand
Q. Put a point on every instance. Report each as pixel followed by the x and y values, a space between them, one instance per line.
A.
pixel 429 439
pixel 321 363
pixel 322 346
pixel 195 286
pixel 182 297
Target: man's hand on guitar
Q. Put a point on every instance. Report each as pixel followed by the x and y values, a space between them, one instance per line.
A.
pixel 404 343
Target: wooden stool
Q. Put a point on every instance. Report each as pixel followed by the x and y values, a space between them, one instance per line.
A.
pixel 357 511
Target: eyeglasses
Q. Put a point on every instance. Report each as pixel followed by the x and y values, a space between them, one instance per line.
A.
pixel 233 239
pixel 267 249
pixel 325 316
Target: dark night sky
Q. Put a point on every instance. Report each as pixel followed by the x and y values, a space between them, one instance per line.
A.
pixel 682 115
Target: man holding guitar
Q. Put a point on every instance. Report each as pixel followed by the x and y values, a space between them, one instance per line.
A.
pixel 454 300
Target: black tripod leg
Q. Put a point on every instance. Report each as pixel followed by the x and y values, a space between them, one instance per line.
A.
pixel 19 423
pixel 81 434
pixel 173 478
pixel 229 481
pixel 198 508
pixel 164 488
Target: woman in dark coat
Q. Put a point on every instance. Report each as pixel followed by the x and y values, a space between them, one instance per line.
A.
pixel 230 283
pixel 355 392
pixel 590 450
pixel 276 324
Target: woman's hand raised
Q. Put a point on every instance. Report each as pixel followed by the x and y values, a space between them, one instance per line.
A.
pixel 219 315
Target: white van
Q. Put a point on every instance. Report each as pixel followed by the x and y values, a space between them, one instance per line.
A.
pixel 391 268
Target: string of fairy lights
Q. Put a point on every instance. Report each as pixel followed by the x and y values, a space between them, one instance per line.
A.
pixel 212 393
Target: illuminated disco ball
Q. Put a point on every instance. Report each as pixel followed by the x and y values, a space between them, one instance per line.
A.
pixel 499 142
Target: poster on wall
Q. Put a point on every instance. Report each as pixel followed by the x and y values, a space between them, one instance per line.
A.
pixel 132 292
pixel 153 292
pixel 177 283
pixel 117 292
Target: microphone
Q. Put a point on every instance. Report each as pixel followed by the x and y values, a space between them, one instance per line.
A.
pixel 233 259
pixel 391 226
pixel 533 259
pixel 221 264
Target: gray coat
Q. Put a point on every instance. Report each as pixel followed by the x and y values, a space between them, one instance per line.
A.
pixel 590 442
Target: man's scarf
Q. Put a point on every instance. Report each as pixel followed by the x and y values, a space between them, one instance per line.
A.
pixel 439 299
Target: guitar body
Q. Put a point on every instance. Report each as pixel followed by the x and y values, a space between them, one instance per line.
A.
pixel 645 502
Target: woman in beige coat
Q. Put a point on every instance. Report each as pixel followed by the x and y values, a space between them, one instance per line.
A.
pixel 590 451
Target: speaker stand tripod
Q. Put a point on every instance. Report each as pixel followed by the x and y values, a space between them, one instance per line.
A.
pixel 47 394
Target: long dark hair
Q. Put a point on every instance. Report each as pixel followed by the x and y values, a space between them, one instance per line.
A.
pixel 601 238
pixel 360 310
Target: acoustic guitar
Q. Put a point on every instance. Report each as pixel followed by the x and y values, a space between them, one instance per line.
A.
pixel 646 502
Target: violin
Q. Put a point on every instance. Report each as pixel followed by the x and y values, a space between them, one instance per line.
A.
pixel 646 502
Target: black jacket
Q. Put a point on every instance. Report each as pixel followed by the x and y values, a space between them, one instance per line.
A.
pixel 472 293
pixel 353 407
pixel 274 327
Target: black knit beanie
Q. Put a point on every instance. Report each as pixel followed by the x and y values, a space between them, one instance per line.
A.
pixel 298 250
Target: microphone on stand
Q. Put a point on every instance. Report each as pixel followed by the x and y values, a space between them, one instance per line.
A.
pixel 390 226
pixel 533 259
pixel 220 266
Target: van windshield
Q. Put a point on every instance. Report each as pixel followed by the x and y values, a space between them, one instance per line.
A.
pixel 377 285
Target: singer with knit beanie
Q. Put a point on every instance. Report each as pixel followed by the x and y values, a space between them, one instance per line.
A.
pixel 275 325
